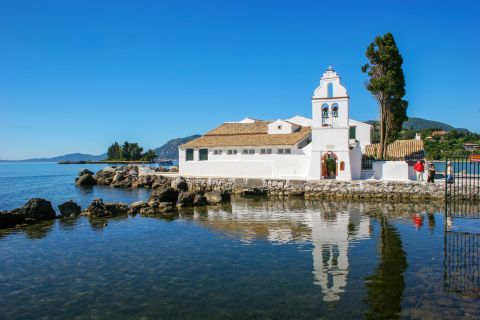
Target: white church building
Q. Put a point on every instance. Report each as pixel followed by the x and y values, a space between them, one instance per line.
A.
pixel 327 146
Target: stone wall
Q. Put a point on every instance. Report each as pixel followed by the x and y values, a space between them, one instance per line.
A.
pixel 323 189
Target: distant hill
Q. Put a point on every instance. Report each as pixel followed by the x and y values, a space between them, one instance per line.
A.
pixel 67 157
pixel 170 149
pixel 422 124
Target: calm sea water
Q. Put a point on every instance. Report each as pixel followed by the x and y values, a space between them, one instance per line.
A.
pixel 251 259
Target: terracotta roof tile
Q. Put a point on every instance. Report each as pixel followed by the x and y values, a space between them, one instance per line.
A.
pixel 246 134
pixel 398 150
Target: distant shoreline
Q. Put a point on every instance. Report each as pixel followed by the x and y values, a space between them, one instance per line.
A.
pixel 166 162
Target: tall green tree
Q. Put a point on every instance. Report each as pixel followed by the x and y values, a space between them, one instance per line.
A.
pixel 387 85
pixel 114 152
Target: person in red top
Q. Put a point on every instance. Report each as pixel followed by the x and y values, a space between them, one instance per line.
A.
pixel 419 168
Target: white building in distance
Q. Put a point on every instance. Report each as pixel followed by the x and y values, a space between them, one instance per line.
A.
pixel 327 146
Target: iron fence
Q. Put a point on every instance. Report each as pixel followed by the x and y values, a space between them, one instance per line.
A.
pixel 461 262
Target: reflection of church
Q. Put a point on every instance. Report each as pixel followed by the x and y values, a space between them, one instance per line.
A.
pixel 331 236
pixel 330 228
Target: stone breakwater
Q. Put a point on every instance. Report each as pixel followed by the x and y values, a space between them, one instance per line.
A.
pixel 324 189
pixel 131 177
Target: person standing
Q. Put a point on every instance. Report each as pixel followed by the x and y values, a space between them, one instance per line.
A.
pixel 449 172
pixel 431 173
pixel 419 168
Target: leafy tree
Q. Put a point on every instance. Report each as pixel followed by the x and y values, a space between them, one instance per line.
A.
pixel 114 152
pixel 149 155
pixel 387 85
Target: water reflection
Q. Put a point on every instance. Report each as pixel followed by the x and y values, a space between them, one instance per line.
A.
pixel 385 286
pixel 331 228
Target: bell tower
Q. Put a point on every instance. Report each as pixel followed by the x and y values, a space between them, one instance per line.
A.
pixel 330 129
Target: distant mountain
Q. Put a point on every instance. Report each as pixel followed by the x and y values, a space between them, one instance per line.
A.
pixel 67 157
pixel 170 149
pixel 422 124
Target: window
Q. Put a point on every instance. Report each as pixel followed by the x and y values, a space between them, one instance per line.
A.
pixel 335 110
pixel 189 155
pixel 232 152
pixel 329 90
pixel 262 151
pixel 203 154
pixel 288 151
pixel 217 152
pixel 245 151
pixel 279 127
pixel 269 151
pixel 251 151
pixel 325 111
pixel 280 151
pixel 353 133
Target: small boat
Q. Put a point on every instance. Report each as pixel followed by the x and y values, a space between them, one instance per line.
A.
pixel 165 162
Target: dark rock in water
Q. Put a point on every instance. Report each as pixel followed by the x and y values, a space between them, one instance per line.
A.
pixel 252 192
pixel 167 194
pixel 164 207
pixel 97 209
pixel 180 184
pixel 85 171
pixel 147 211
pixel 213 196
pixel 86 180
pixel 135 207
pixel 185 199
pixel 117 208
pixel 69 209
pixel 11 218
pixel 200 200
pixel 34 210
pixel 226 196
pixel 37 209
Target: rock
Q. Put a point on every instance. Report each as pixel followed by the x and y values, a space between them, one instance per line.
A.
pixel 226 196
pixel 69 209
pixel 252 192
pixel 97 209
pixel 213 196
pixel 167 194
pixel 200 200
pixel 161 182
pixel 34 210
pixel 125 183
pixel 11 218
pixel 109 170
pixel 86 180
pixel 117 208
pixel 180 184
pixel 147 210
pixel 164 207
pixel 135 207
pixel 138 204
pixel 185 199
pixel 85 171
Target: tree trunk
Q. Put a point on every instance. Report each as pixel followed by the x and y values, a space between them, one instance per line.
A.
pixel 382 147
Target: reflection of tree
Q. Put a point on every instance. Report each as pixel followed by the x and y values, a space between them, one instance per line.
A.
pixel 385 287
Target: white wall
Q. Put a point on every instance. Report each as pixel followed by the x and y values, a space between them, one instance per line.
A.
pixel 363 133
pixel 281 127
pixel 294 165
pixel 356 163
pixel 391 170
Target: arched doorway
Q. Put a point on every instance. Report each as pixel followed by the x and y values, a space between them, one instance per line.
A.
pixel 329 165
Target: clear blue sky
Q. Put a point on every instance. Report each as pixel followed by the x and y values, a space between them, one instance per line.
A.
pixel 77 75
